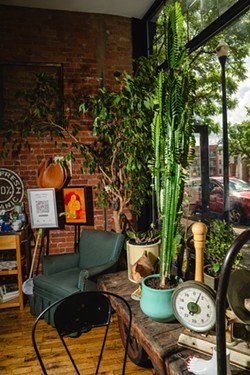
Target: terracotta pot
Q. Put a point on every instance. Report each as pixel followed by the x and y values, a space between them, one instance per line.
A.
pixel 51 174
pixel 41 168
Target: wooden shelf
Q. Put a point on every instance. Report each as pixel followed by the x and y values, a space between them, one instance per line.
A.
pixel 8 272
pixel 13 241
pixel 15 302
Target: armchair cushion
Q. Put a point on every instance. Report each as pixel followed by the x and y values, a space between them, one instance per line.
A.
pixel 104 248
pixel 59 262
pixel 59 284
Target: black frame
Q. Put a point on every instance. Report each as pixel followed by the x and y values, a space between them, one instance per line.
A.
pixel 229 16
pixel 89 212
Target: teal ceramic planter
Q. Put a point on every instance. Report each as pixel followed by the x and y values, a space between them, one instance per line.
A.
pixel 156 303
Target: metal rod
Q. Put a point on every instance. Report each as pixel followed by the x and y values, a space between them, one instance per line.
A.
pixel 221 296
pixel 222 60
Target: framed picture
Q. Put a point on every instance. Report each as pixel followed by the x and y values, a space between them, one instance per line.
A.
pixel 42 208
pixel 78 205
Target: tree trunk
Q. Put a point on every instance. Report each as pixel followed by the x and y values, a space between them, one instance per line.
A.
pixel 117 224
pixel 245 172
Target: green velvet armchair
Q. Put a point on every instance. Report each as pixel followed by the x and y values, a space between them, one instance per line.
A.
pixel 64 274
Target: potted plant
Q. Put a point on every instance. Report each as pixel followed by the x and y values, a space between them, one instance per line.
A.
pixel 143 250
pixel 172 135
pixel 119 145
pixel 220 237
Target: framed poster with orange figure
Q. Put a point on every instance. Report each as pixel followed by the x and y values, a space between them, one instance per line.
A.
pixel 78 205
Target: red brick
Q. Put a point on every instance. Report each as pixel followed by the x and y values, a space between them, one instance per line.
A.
pixel 86 45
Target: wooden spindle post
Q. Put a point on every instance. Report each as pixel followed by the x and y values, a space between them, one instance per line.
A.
pixel 199 231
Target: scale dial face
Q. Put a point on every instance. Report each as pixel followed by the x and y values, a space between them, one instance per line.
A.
pixel 194 306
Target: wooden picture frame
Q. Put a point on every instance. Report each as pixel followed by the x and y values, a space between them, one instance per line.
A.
pixel 78 205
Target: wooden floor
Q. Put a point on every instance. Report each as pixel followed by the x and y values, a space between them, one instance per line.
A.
pixel 17 356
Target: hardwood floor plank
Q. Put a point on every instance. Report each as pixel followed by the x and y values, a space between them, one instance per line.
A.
pixel 17 356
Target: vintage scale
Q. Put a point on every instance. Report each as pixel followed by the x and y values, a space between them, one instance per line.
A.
pixel 195 308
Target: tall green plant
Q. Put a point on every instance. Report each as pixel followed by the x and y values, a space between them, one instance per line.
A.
pixel 121 123
pixel 172 134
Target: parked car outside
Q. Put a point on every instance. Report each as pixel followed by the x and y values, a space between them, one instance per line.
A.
pixel 239 198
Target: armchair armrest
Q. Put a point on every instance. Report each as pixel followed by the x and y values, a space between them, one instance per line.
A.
pixel 83 276
pixel 92 271
pixel 59 262
pixel 97 270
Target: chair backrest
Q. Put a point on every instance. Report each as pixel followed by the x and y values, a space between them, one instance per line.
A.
pixel 79 313
pixel 98 247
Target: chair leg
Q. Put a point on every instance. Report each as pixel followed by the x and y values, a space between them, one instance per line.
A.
pixel 103 345
pixel 70 356
pixel 36 348
pixel 34 332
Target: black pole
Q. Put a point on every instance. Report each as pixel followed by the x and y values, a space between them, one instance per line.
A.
pixel 222 60
pixel 221 297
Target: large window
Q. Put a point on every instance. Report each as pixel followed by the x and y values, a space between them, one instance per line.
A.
pixel 202 13
pixel 208 24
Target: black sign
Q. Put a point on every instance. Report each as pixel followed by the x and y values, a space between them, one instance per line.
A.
pixel 11 189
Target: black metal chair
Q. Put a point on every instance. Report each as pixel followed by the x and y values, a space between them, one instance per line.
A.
pixel 79 313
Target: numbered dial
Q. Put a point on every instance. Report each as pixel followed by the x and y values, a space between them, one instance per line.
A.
pixel 194 306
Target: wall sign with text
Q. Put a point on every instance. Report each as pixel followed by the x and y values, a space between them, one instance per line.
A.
pixel 11 189
pixel 42 207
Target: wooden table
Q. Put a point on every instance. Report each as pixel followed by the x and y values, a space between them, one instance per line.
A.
pixel 159 340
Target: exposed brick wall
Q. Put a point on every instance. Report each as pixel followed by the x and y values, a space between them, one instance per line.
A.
pixel 89 47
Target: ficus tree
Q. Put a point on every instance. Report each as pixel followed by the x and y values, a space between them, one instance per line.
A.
pixel 120 124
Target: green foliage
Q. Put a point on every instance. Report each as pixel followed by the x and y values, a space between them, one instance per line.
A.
pixel 207 68
pixel 219 239
pixel 152 235
pixel 41 113
pixel 208 72
pixel 121 124
pixel 239 140
pixel 172 134
pixel 121 129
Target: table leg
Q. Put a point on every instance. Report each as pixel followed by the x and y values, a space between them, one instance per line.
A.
pixel 135 351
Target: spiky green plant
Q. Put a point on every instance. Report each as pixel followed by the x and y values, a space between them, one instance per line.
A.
pixel 172 135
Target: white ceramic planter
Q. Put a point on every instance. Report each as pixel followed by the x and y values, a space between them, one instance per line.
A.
pixel 135 251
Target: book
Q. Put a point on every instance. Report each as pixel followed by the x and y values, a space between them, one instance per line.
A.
pixel 8 297
pixel 8 292
pixel 8 265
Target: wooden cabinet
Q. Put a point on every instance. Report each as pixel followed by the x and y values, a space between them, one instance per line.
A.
pixel 16 244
